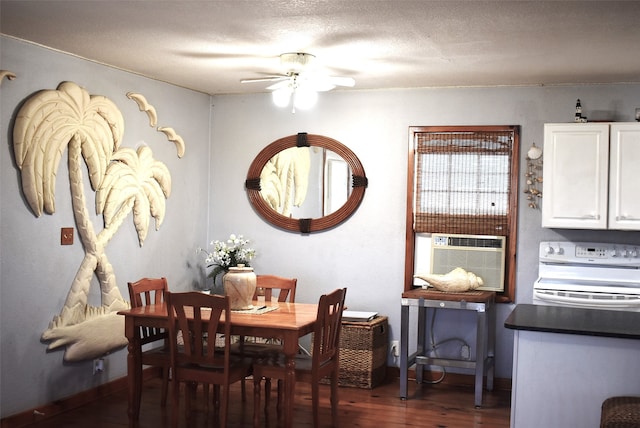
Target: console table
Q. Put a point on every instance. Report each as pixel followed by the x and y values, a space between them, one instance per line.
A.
pixel 482 302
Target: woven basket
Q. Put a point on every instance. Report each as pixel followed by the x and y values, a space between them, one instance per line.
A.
pixel 363 353
pixel 620 412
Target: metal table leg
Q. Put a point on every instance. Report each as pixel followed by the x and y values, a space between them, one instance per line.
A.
pixel 404 351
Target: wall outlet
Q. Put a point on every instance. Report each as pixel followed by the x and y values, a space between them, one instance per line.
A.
pixel 395 348
pixel 98 365
pixel 465 352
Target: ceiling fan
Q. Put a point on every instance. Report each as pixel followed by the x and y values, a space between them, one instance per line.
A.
pixel 300 83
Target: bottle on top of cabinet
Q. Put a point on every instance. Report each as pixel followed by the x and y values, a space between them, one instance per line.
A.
pixel 590 176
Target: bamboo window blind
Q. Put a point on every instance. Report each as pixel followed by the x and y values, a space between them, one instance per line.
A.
pixel 462 182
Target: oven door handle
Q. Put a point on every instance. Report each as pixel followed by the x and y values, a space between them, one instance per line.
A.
pixel 589 303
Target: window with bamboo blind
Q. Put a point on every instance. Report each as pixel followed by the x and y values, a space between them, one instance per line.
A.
pixel 463 180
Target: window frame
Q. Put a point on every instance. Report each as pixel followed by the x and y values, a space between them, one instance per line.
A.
pixel 508 295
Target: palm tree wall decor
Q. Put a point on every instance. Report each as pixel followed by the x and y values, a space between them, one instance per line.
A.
pixel 90 127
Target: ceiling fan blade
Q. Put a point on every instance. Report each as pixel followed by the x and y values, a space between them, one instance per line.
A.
pixel 264 79
pixel 281 84
pixel 322 83
pixel 342 81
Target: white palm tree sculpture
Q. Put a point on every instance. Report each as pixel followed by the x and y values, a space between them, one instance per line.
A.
pixel 90 127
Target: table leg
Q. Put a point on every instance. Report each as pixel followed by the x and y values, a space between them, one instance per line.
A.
pixel 134 370
pixel 481 354
pixel 421 340
pixel 404 350
pixel 290 348
pixel 491 346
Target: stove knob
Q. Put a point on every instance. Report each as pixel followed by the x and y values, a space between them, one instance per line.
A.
pixel 613 252
pixel 549 249
pixel 625 253
pixel 634 252
pixel 559 250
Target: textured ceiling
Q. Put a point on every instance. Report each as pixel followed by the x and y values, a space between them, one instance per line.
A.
pixel 209 46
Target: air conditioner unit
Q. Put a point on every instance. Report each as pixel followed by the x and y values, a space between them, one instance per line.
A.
pixel 480 254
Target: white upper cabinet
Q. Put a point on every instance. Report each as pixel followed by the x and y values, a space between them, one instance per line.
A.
pixel 624 177
pixel 588 176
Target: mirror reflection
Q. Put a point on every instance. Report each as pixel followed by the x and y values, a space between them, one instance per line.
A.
pixel 306 183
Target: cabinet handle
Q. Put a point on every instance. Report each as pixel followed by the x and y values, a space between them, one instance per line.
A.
pixel 626 217
pixel 591 217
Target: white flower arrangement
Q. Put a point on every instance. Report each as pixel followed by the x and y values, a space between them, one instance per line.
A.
pixel 228 254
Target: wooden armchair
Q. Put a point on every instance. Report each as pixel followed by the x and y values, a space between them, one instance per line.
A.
pixel 144 292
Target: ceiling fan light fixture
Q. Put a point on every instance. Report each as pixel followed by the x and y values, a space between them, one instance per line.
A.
pixel 296 61
pixel 281 96
pixel 304 98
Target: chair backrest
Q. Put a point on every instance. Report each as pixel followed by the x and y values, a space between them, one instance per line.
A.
pixel 268 283
pixel 326 336
pixel 197 316
pixel 149 291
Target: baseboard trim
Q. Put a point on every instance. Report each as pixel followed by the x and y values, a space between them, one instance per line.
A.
pixel 46 411
pixel 459 379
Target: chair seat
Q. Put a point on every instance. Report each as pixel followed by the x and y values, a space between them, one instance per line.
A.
pixel 234 361
pixel 160 356
pixel 303 362
pixel 255 350
pixel 620 412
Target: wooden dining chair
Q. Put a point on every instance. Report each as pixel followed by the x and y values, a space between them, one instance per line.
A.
pixel 197 316
pixel 269 286
pixel 323 361
pixel 286 288
pixel 149 291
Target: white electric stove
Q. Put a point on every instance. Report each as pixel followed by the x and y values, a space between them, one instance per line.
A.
pixel 588 275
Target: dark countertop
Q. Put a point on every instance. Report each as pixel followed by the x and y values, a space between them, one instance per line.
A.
pixel 569 320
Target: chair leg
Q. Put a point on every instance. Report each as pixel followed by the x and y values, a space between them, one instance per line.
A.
pixel 175 403
pixel 205 389
pixel 224 405
pixel 267 396
pixel 189 393
pixel 280 399
pixel 334 398
pixel 165 386
pixel 216 401
pixel 256 401
pixel 315 392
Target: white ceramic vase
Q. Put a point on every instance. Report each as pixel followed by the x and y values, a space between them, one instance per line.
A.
pixel 240 285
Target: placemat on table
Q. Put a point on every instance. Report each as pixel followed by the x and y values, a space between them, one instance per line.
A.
pixel 256 310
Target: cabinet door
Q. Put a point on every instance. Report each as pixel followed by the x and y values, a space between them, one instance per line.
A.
pixel 624 183
pixel 575 171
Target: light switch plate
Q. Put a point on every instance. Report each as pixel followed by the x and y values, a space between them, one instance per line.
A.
pixel 66 236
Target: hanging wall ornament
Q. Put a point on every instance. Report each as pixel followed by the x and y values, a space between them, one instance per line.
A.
pixel 533 176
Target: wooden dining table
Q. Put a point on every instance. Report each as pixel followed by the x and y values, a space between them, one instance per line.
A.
pixel 288 322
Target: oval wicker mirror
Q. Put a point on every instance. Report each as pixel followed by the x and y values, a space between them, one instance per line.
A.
pixel 256 187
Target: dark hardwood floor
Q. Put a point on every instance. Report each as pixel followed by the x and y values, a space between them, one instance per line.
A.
pixel 439 406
